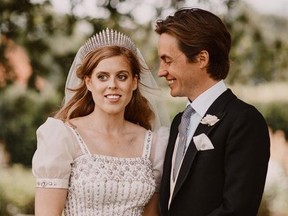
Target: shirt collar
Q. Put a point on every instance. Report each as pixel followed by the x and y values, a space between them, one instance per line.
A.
pixel 204 100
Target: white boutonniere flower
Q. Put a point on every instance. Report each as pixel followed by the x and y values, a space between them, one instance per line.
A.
pixel 209 120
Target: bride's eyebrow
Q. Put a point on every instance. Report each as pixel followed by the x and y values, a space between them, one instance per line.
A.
pixel 117 72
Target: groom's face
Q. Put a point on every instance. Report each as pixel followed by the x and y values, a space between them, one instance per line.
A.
pixel 183 77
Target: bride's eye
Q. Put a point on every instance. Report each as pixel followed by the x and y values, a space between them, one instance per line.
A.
pixel 122 77
pixel 102 77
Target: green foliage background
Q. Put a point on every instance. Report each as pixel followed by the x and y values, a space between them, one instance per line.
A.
pixel 51 41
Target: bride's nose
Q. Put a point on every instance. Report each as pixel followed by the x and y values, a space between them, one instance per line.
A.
pixel 112 84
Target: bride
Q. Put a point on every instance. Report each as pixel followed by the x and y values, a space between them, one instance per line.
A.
pixel 102 152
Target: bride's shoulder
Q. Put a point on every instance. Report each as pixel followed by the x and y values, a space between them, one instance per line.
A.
pixel 52 124
pixel 53 127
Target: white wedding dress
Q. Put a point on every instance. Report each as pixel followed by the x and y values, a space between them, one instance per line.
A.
pixel 97 184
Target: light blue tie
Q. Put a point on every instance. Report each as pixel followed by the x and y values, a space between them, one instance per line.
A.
pixel 183 131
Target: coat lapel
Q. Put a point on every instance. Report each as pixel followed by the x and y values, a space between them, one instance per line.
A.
pixel 217 109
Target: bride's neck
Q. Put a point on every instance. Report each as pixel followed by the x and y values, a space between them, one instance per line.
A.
pixel 106 123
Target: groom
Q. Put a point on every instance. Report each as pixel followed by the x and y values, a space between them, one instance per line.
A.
pixel 218 151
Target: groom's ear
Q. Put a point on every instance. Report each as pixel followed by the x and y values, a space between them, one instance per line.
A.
pixel 203 59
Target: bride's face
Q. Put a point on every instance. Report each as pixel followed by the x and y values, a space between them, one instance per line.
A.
pixel 112 84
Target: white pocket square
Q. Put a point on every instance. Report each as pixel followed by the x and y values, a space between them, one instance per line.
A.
pixel 202 142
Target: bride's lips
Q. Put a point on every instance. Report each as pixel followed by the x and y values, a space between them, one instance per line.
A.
pixel 113 97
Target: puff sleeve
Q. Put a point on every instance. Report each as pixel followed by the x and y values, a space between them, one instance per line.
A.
pixel 51 163
pixel 158 149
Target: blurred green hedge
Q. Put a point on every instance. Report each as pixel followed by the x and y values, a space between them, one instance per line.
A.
pixel 21 113
pixel 17 189
pixel 276 115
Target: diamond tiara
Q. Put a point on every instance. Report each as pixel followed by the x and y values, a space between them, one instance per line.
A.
pixel 108 37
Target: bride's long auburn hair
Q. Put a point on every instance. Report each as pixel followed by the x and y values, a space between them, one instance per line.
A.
pixel 137 111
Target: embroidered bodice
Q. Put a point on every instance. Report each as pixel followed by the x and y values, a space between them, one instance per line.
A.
pixel 105 185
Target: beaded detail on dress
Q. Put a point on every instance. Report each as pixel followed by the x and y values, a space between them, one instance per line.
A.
pixel 105 185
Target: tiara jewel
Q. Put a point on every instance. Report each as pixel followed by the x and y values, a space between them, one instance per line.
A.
pixel 108 37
